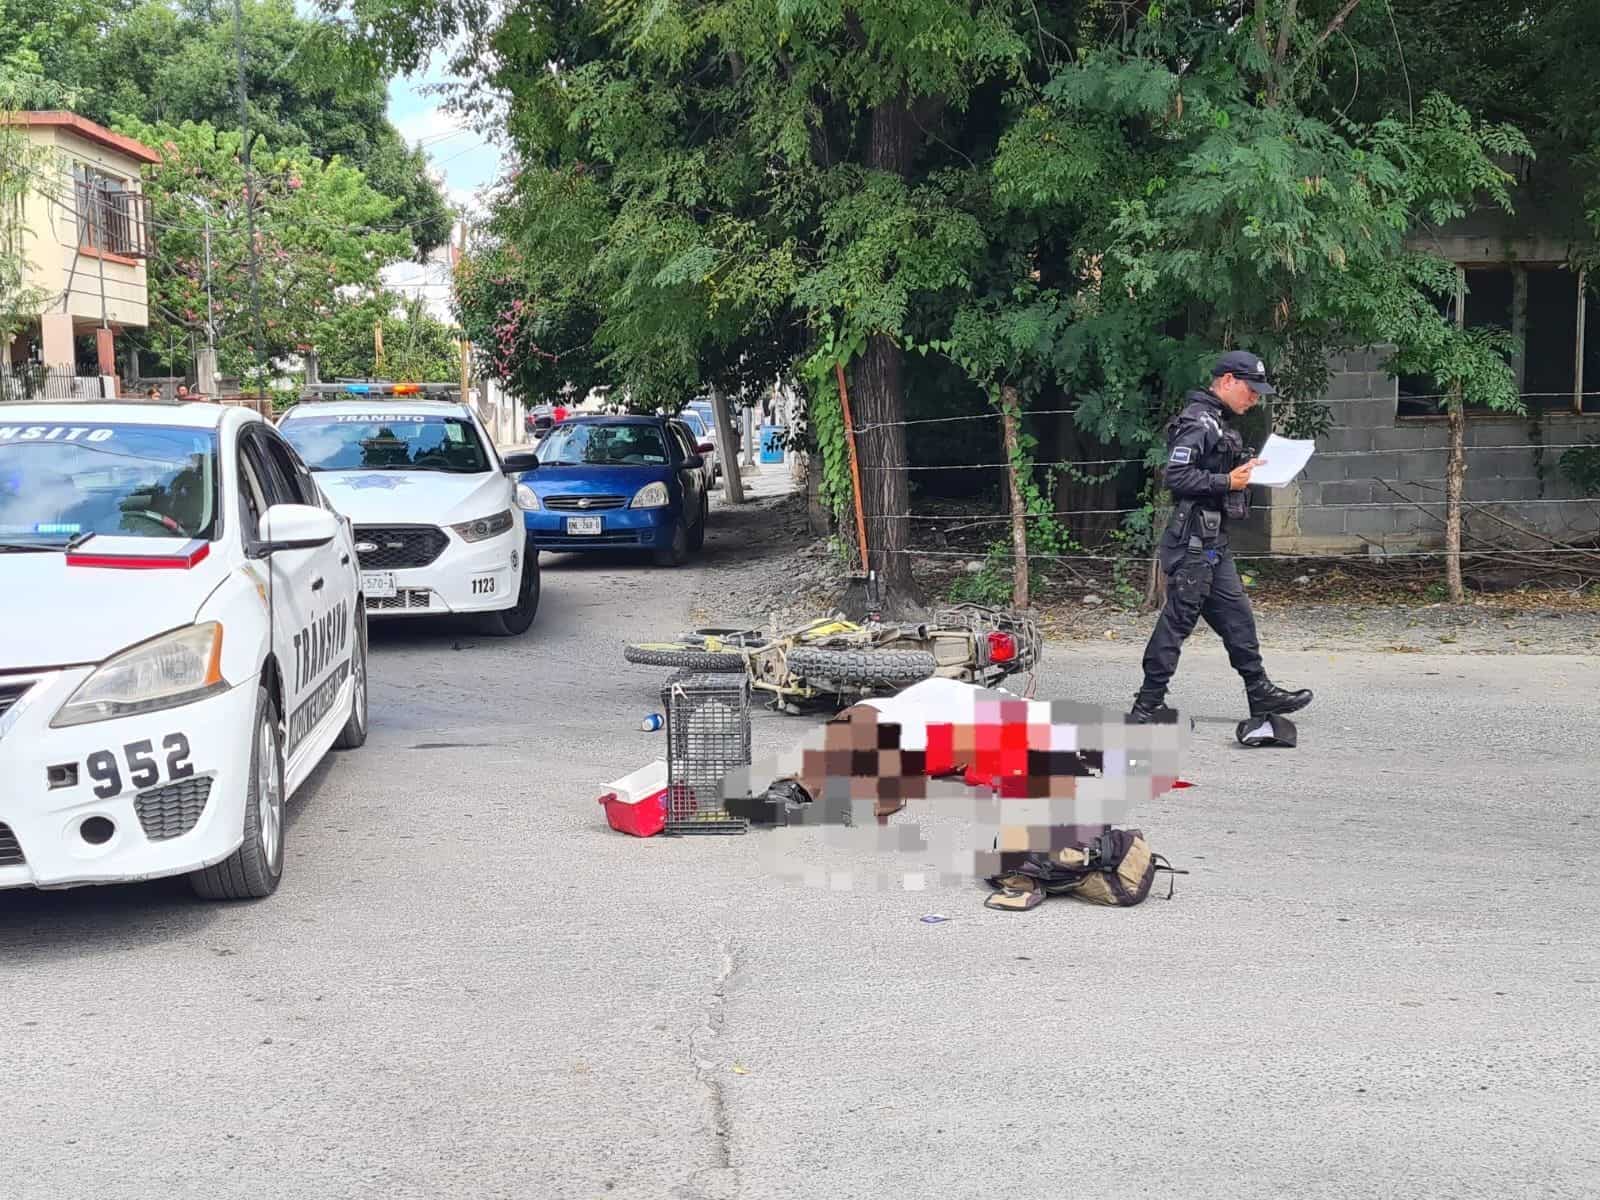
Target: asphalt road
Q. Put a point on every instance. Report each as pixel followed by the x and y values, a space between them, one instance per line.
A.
pixel 1380 978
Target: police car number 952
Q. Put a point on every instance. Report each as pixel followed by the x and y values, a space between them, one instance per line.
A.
pixel 144 765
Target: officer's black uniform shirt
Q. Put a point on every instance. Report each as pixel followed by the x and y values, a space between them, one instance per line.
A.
pixel 1200 451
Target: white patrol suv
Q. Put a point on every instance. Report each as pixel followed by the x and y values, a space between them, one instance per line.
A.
pixel 181 642
pixel 438 521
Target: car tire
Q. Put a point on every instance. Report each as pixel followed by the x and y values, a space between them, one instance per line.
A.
pixel 254 870
pixel 697 539
pixel 676 554
pixel 515 621
pixel 354 733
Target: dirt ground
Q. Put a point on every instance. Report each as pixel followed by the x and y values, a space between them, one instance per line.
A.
pixel 783 575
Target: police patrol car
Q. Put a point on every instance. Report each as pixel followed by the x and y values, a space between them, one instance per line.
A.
pixel 438 521
pixel 182 642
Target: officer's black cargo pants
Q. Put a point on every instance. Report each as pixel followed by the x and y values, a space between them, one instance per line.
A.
pixel 1201 583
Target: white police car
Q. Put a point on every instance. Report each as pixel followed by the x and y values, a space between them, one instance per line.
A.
pixel 438 522
pixel 181 642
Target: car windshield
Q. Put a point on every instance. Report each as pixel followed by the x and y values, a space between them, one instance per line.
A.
pixel 387 442
pixel 692 419
pixel 590 444
pixel 60 483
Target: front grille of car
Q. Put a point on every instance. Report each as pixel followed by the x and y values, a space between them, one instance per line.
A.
pixel 405 599
pixel 10 852
pixel 173 810
pixel 10 693
pixel 583 503
pixel 396 547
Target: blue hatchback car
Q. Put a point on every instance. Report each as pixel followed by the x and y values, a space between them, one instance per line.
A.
pixel 617 483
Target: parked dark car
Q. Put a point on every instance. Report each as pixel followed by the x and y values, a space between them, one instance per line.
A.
pixel 619 483
pixel 542 418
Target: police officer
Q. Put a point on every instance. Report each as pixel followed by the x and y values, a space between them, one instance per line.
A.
pixel 1207 472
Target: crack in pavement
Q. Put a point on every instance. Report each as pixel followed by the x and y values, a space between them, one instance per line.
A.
pixel 719 1181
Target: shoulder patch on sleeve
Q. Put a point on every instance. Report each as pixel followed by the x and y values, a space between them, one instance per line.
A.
pixel 1181 456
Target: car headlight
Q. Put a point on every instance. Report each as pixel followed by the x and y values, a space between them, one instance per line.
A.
pixel 175 668
pixel 485 527
pixel 527 498
pixel 651 495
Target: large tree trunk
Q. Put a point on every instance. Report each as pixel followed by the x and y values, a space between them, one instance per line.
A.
pixel 877 401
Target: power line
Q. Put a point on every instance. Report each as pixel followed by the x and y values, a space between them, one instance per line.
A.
pixel 1065 462
pixel 1007 518
pixel 1153 406
pixel 997 551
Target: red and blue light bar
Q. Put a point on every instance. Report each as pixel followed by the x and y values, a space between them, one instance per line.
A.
pixel 319 391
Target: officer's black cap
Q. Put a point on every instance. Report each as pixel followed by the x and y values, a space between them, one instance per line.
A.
pixel 1247 367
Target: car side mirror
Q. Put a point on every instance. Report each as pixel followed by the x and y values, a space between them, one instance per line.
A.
pixel 295 527
pixel 694 462
pixel 522 460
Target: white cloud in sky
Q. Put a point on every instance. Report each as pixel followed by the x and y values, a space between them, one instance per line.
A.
pixel 463 159
pixel 432 126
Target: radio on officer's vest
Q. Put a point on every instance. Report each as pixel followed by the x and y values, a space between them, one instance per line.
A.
pixel 1237 503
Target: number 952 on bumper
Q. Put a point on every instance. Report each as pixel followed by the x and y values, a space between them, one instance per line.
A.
pixel 120 800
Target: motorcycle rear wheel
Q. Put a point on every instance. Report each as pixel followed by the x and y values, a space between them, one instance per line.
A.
pixel 865 668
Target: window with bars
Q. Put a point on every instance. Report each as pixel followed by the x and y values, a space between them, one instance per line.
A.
pixel 111 216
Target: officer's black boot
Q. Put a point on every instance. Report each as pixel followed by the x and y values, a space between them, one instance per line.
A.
pixel 1267 698
pixel 1150 710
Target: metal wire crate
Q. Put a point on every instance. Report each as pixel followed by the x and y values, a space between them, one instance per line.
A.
pixel 708 735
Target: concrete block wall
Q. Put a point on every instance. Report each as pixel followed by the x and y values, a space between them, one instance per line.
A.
pixel 1372 457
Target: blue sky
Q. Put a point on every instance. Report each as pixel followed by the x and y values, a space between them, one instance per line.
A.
pixel 464 160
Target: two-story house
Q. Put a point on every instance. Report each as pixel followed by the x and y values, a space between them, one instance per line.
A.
pixel 85 235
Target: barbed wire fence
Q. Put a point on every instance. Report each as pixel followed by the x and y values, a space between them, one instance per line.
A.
pixel 1546 547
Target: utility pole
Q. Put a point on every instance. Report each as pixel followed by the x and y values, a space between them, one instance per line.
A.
pixel 466 346
pixel 249 194
pixel 211 317
pixel 205 371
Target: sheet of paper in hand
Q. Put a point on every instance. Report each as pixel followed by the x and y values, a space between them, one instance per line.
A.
pixel 1284 460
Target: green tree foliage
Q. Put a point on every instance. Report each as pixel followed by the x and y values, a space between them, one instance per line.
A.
pixel 320 227
pixel 1529 63
pixel 1080 200
pixel 171 61
pixel 536 336
pixel 417 346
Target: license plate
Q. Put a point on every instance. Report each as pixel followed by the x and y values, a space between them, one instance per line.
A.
pixel 377 585
pixel 583 525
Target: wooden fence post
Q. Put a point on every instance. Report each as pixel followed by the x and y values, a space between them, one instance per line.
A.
pixel 1019 509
